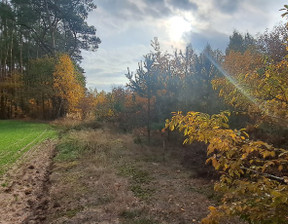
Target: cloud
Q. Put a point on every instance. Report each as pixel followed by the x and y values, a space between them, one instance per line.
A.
pixel 105 80
pixel 108 65
pixel 120 9
pixel 227 6
pixel 126 10
pixel 127 26
pixel 216 39
pixel 184 4
pixel 107 87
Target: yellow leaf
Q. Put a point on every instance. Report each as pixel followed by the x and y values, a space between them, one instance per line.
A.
pixel 212 208
pixel 215 163
pixel 244 156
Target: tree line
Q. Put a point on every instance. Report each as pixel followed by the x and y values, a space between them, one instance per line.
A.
pixel 235 102
pixel 38 38
pixel 210 82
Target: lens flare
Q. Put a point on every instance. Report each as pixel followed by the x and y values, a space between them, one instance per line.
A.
pixel 260 105
pixel 232 81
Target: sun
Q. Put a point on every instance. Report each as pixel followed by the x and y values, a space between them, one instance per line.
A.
pixel 177 26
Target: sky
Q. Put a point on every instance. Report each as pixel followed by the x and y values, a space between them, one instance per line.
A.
pixel 126 28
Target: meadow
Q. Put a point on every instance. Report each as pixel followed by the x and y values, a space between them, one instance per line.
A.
pixel 18 138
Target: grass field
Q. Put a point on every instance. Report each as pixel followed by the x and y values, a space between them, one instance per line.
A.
pixel 18 137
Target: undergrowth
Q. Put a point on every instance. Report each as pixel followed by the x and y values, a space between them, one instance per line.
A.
pixel 139 181
pixel 136 216
pixel 69 149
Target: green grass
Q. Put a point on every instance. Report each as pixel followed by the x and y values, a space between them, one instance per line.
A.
pixel 208 191
pixel 139 181
pixel 18 137
pixel 138 176
pixel 136 217
pixel 69 149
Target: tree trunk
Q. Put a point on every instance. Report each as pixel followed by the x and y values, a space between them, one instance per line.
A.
pixel 21 54
pixel 148 119
pixel 2 106
pixel 59 113
pixel 43 107
pixel 51 29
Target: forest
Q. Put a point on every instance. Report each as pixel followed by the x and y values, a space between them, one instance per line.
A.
pixel 235 103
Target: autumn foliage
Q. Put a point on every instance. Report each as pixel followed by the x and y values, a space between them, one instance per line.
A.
pixel 67 88
pixel 50 88
pixel 247 84
pixel 255 88
pixel 125 109
pixel 254 174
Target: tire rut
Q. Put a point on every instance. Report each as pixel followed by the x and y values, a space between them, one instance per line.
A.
pixel 25 187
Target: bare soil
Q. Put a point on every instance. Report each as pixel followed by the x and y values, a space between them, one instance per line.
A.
pixel 113 181
pixel 23 190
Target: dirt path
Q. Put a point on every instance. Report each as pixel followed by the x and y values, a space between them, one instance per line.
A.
pixel 103 177
pixel 117 181
pixel 23 189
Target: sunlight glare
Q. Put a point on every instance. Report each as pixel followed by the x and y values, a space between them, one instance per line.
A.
pixel 177 26
pixel 243 91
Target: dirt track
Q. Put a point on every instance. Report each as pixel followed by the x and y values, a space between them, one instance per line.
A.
pixel 23 191
pixel 113 181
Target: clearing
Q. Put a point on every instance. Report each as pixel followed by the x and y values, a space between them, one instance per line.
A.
pixel 100 176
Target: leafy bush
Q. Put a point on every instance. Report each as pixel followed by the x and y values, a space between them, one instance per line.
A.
pixel 254 174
